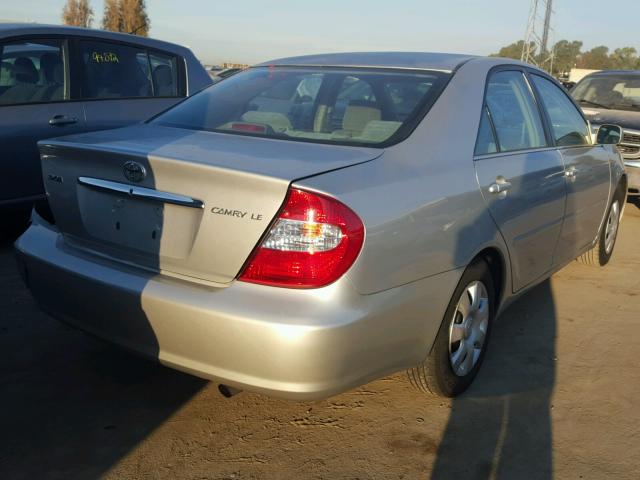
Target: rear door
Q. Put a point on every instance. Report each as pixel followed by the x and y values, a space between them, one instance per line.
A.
pixel 34 104
pixel 123 84
pixel 521 177
pixel 587 169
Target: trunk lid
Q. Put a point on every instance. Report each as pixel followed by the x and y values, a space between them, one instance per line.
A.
pixel 189 204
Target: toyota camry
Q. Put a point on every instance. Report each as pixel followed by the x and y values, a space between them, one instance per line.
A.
pixel 313 223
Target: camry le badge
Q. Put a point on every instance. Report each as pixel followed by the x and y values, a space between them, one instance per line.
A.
pixel 134 172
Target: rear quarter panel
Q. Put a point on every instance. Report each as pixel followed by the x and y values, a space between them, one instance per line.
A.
pixel 420 201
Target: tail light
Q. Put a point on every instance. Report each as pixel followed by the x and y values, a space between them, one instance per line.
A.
pixel 313 242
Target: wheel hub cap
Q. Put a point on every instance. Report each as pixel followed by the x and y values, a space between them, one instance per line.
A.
pixel 611 230
pixel 468 328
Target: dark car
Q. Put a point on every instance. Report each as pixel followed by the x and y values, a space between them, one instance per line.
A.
pixel 613 97
pixel 57 80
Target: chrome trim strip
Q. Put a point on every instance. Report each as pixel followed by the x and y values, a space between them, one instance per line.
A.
pixel 509 153
pixel 356 66
pixel 143 193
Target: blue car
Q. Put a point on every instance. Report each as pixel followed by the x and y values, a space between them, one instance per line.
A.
pixel 57 80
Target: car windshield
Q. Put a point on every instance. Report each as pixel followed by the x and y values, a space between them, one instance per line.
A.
pixel 325 105
pixel 609 91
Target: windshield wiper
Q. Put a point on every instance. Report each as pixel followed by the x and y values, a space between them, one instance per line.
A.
pixel 583 100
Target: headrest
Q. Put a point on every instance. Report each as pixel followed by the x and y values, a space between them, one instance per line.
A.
pixel 356 117
pixel 51 66
pixel 25 71
pixel 162 75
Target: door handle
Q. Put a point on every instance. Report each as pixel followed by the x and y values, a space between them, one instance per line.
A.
pixel 571 172
pixel 60 120
pixel 501 186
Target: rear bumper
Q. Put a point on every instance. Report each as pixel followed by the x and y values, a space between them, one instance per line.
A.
pixel 299 344
pixel 633 176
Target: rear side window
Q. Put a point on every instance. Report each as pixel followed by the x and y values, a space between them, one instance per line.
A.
pixel 567 125
pixel 32 72
pixel 164 75
pixel 326 105
pixel 514 113
pixel 486 142
pixel 112 70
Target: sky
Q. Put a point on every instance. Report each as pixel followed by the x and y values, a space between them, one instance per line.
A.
pixel 251 31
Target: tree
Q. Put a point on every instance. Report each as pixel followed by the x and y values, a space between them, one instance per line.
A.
pixel 112 16
pixel 624 58
pixel 77 13
pixel 512 51
pixel 129 16
pixel 565 56
pixel 596 59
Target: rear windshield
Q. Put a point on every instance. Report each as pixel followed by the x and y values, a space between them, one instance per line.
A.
pixel 345 106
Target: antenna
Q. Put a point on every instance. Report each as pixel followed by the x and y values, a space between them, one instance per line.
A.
pixel 535 49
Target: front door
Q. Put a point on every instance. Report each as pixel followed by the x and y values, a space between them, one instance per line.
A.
pixel 587 170
pixel 521 178
pixel 34 105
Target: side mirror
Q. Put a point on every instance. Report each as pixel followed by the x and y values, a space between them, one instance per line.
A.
pixel 609 135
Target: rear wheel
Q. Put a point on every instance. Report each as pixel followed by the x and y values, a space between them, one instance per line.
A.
pixel 601 253
pixel 462 340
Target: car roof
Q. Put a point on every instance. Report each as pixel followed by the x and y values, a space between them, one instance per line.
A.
pixel 16 29
pixel 447 62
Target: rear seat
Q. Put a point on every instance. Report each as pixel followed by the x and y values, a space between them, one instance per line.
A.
pixel 356 118
pixel 25 78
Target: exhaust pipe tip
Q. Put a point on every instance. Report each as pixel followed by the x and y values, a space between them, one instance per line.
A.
pixel 227 392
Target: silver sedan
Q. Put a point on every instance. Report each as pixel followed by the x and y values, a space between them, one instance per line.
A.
pixel 313 223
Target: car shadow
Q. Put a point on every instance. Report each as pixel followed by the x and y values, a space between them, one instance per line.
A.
pixel 501 427
pixel 77 405
pixel 73 406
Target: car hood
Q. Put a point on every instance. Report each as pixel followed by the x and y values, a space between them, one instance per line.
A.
pixel 623 118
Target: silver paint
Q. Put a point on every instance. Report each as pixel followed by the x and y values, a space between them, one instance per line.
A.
pixel 425 203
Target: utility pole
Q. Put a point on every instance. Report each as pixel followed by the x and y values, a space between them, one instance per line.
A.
pixel 547 25
pixel 535 49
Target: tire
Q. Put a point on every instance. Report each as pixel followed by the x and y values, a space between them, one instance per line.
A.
pixel 437 374
pixel 601 253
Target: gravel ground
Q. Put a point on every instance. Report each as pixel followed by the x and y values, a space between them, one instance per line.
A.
pixel 558 396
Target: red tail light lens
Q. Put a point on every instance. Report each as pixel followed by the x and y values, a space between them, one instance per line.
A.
pixel 313 243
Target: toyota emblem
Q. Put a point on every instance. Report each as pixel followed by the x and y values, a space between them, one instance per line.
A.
pixel 134 172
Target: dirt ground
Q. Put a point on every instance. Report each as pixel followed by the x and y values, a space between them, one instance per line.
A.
pixel 558 395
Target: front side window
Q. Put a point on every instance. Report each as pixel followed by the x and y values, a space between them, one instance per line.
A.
pixel 32 72
pixel 567 125
pixel 113 71
pixel 515 115
pixel 351 106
